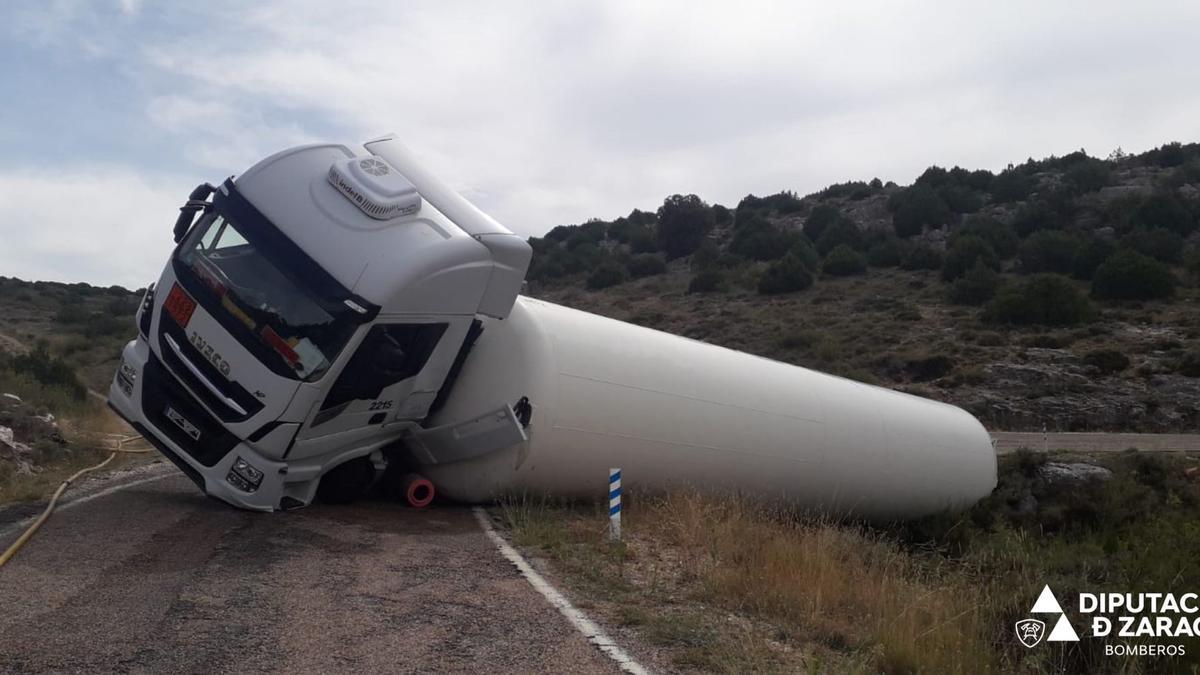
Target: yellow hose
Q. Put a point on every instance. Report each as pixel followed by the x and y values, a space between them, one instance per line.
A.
pixel 28 534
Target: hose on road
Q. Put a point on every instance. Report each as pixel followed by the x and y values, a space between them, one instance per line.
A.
pixel 119 448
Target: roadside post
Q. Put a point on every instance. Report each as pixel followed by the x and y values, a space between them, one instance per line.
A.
pixel 614 504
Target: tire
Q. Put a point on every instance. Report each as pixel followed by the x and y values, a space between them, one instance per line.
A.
pixel 346 482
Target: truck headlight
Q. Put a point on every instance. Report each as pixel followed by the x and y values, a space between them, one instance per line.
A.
pixel 243 476
pixel 126 376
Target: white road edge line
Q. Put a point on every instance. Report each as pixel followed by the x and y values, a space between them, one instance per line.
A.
pixel 22 524
pixel 577 618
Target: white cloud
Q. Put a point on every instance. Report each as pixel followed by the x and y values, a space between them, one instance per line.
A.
pixel 561 112
pixel 101 224
pixel 215 134
pixel 551 113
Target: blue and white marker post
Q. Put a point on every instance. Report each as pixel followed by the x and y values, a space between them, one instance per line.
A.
pixel 614 504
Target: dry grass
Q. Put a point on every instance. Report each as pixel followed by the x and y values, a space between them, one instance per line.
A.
pixel 846 587
pixel 89 432
pixel 725 585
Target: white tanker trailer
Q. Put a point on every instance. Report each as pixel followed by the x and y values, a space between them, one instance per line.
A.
pixel 333 315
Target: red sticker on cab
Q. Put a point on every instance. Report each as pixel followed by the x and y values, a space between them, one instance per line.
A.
pixel 179 305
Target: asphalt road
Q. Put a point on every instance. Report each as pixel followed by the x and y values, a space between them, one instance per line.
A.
pixel 158 578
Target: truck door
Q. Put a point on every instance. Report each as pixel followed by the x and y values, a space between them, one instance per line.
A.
pixel 394 375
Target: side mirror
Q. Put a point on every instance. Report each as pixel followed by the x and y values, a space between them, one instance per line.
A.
pixel 197 202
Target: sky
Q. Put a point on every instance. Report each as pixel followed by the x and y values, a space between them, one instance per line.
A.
pixel 548 113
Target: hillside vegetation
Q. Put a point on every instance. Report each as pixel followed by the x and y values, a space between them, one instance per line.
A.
pixel 57 341
pixel 1060 293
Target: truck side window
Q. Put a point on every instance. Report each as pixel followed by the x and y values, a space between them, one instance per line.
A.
pixel 389 354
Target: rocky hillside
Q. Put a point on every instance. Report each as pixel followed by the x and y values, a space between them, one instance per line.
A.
pixel 1060 293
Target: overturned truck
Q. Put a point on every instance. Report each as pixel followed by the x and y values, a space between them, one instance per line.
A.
pixel 333 315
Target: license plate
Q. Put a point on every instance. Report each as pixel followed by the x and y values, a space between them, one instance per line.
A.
pixel 179 305
pixel 181 422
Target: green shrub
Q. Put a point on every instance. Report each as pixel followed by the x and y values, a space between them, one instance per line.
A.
pixel 1157 242
pixel 1000 235
pixel 885 253
pixel 559 233
pixel 758 239
pixel 917 207
pixel 1011 186
pixel 844 261
pixel 545 268
pixel 961 199
pixel 1129 275
pixel 1088 175
pixel 788 274
pixel 707 281
pixel 921 258
pixel 975 287
pixel 1043 299
pixel 645 265
pixel 705 257
pixel 122 306
pixel 1165 210
pixel 1049 251
pixel 112 325
pixel 1034 216
pixel 607 274
pixel 1089 256
pixel 853 190
pixel 807 255
pixel 1107 361
pixel 46 370
pixel 582 239
pixel 721 214
pixel 621 229
pixel 963 254
pixel 584 258
pixel 642 240
pixel 822 216
pixel 70 314
pixel 683 220
pixel 1169 154
pixel 843 232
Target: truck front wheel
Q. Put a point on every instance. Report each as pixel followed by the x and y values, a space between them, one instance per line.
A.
pixel 346 482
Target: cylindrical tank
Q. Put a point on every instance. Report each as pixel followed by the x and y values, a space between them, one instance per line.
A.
pixel 671 411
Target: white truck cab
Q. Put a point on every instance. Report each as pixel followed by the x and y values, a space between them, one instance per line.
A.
pixel 312 316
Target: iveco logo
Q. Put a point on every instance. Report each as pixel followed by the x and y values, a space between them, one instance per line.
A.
pixel 373 166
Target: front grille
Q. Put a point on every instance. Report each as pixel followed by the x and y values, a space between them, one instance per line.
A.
pixel 232 390
pixel 159 391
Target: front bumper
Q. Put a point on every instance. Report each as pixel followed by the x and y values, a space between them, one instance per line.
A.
pixel 206 468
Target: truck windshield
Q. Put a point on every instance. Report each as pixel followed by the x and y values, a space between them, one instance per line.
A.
pixel 294 332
